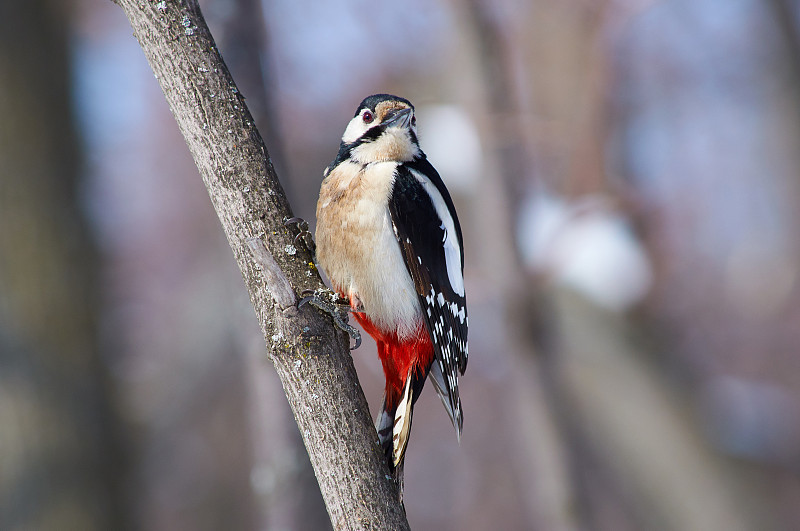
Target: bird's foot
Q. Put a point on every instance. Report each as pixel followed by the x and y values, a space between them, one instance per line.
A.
pixel 303 233
pixel 334 305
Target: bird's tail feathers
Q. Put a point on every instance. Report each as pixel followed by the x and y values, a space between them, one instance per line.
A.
pixel 394 425
pixel 449 396
pixel 385 427
pixel 401 427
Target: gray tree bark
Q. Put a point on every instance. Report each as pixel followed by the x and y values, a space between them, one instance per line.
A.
pixel 311 357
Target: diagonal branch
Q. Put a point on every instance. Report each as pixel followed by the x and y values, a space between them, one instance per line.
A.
pixel 310 356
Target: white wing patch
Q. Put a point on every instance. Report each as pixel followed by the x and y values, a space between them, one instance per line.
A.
pixel 452 250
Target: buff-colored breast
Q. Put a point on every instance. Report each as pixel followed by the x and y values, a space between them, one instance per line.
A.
pixel 357 248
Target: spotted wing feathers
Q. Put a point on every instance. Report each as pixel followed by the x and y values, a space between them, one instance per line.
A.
pixel 427 229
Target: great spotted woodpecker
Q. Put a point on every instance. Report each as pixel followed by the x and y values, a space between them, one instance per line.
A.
pixel 389 240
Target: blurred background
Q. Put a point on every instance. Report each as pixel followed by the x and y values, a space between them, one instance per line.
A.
pixel 627 175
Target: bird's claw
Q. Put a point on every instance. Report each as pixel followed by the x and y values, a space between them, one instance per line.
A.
pixel 337 307
pixel 300 222
pixel 304 233
pixel 334 298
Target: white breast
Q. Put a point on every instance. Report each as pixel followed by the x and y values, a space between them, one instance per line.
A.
pixel 357 248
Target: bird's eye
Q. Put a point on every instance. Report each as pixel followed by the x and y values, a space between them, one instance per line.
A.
pixel 367 116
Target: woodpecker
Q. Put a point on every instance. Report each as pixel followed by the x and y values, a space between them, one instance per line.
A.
pixel 389 240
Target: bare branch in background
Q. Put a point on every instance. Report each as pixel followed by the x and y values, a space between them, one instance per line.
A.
pixel 311 358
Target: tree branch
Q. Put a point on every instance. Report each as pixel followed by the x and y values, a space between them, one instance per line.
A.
pixel 311 357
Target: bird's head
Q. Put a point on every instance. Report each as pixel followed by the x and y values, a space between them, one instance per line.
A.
pixel 384 128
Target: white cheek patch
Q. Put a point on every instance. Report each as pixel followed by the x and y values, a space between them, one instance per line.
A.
pixel 452 248
pixel 355 129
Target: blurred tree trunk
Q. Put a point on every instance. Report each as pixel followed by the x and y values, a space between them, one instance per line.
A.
pixel 551 452
pixel 593 384
pixel 59 465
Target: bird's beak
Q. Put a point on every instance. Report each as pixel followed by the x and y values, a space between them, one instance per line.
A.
pixel 398 118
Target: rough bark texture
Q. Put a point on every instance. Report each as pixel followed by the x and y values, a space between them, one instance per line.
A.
pixel 310 356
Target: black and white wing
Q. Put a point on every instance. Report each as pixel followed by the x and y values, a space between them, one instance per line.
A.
pixel 427 229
